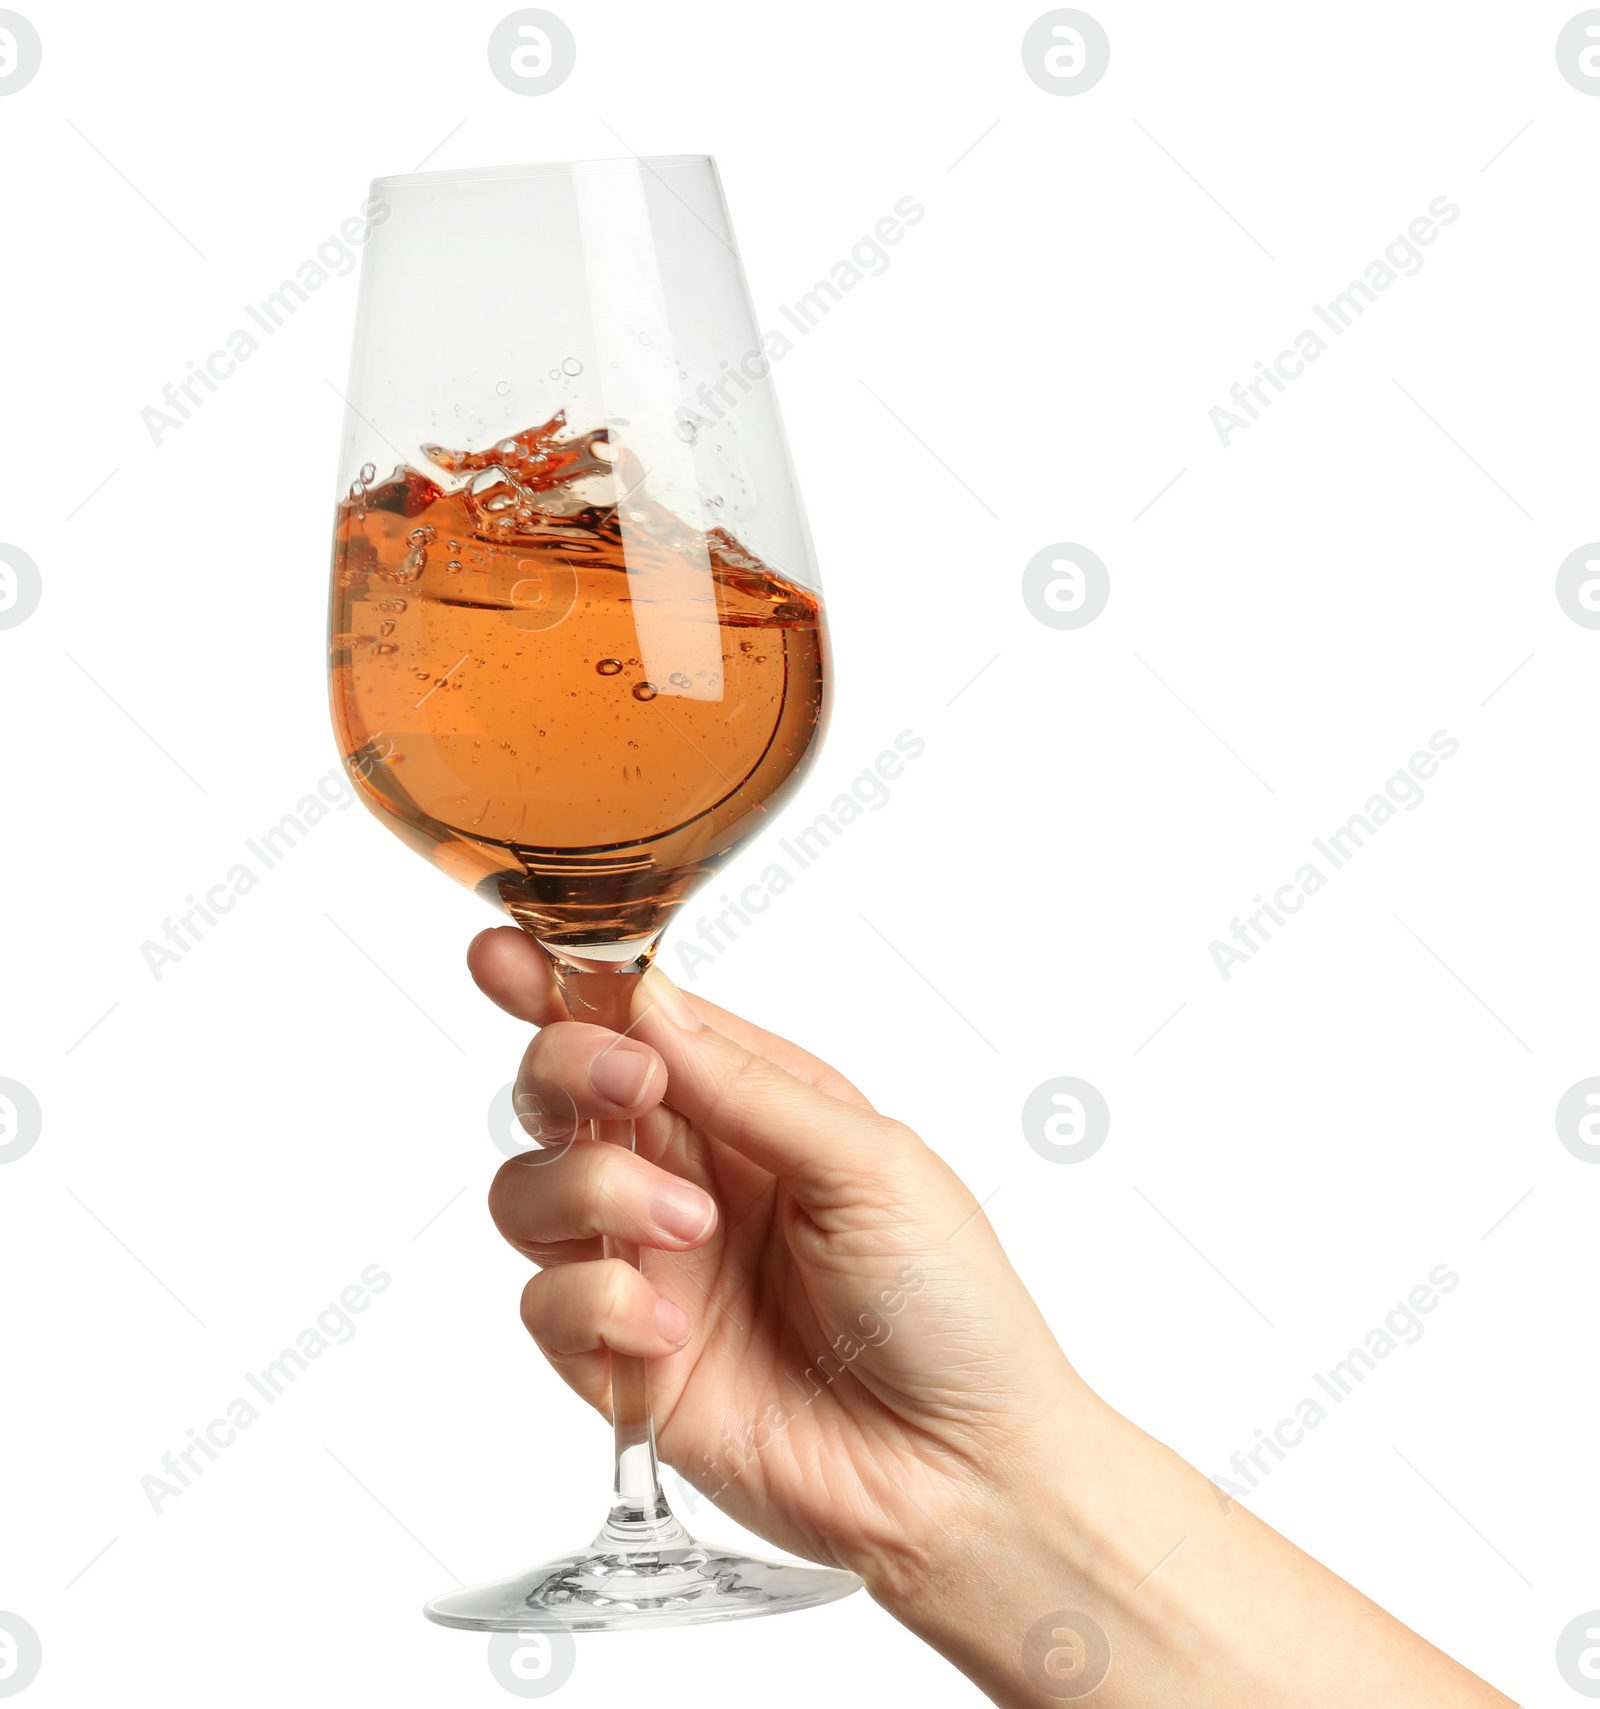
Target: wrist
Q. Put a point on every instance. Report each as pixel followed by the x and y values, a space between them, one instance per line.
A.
pixel 1102 1563
pixel 1056 1558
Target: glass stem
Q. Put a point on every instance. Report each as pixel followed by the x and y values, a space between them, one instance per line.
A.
pixel 601 993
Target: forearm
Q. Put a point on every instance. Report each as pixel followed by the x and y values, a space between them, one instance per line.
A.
pixel 1113 1567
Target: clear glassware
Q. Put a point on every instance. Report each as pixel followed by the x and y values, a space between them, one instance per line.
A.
pixel 578 650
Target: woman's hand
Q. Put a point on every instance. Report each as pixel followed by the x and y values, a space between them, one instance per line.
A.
pixel 844 1360
pixel 842 1357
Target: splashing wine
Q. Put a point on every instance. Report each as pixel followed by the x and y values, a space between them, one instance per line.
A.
pixel 549 683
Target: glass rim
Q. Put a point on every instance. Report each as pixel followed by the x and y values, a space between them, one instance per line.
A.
pixel 541 169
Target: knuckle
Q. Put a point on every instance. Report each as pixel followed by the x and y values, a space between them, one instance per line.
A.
pixel 902 1158
pixel 900 1140
pixel 502 1194
pixel 614 1289
pixel 596 1173
pixel 544 1111
pixel 548 1049
pixel 539 1209
pixel 531 1304
pixel 894 1163
pixel 739 1086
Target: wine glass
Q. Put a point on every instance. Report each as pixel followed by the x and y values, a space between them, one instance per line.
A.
pixel 578 650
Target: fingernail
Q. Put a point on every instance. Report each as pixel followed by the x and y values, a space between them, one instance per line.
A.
pixel 670 1001
pixel 621 1071
pixel 673 1322
pixel 680 1210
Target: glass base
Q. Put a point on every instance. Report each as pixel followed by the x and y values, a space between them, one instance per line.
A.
pixel 607 1588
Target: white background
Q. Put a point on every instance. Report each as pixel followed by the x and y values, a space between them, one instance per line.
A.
pixel 1362 1101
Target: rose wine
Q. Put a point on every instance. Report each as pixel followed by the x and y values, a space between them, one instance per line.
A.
pixel 565 695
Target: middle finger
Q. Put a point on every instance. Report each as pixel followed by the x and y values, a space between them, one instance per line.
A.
pixel 555 1209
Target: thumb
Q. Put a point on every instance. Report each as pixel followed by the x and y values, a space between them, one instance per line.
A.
pixel 830 1153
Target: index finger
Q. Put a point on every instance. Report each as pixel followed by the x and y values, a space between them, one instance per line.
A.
pixel 511 970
